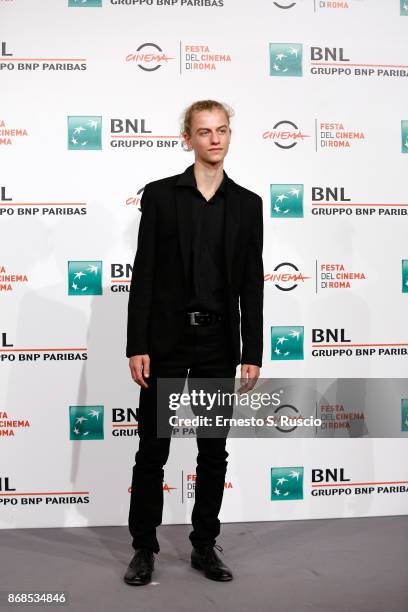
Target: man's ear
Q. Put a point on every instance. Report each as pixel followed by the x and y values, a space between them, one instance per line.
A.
pixel 185 145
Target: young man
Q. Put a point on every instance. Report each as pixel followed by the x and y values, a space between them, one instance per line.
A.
pixel 197 277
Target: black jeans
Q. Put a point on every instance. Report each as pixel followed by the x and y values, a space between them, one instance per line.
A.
pixel 202 352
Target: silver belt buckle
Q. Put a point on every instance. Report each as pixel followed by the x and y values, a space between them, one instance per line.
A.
pixel 192 319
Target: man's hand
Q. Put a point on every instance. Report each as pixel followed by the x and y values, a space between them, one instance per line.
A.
pixel 140 369
pixel 249 376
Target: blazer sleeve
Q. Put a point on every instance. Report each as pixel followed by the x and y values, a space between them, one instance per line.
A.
pixel 141 284
pixel 252 293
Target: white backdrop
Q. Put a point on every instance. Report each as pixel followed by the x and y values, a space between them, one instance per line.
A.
pixel 337 71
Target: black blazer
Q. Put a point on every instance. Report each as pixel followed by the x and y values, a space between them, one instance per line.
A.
pixel 159 289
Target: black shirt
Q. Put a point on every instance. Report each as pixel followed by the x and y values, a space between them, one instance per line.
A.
pixel 207 262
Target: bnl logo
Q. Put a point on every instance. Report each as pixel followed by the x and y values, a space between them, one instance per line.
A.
pixel 287 342
pixel 84 3
pixel 85 278
pixel 285 59
pixel 405 276
pixel 86 422
pixel 287 201
pixel 404 415
pixel 84 133
pixel 404 134
pixel 404 7
pixel 286 483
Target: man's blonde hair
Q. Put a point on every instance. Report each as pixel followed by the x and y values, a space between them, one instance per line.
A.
pixel 202 105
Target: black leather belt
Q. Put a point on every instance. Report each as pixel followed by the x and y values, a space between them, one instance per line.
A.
pixel 203 318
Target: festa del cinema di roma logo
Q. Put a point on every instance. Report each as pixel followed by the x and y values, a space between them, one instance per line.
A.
pixel 85 278
pixel 86 422
pixel 329 4
pixel 84 133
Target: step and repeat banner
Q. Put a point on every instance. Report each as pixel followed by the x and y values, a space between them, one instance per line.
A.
pixel 92 92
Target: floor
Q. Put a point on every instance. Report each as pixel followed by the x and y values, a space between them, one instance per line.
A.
pixel 340 565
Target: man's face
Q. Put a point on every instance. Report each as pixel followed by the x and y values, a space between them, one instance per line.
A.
pixel 210 135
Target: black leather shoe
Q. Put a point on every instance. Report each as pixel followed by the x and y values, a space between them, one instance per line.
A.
pixel 207 559
pixel 140 568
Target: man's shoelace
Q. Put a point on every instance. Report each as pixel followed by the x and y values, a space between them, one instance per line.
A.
pixel 210 552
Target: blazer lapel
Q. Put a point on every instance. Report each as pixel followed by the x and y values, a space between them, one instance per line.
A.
pixel 231 225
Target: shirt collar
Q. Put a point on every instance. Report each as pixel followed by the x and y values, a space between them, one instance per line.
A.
pixel 187 178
